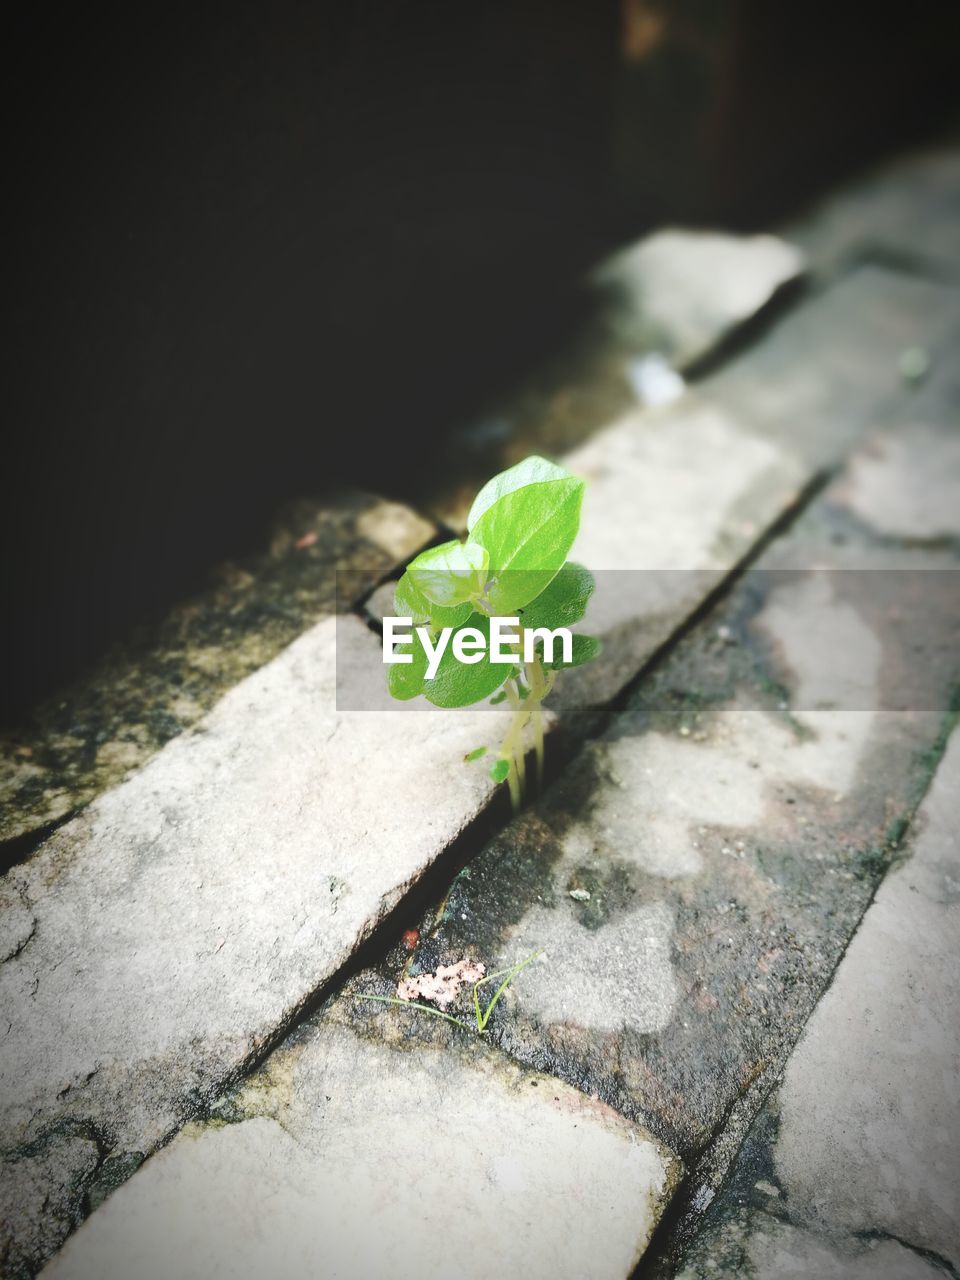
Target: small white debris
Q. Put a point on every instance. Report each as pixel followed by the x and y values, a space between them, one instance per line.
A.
pixel 580 895
pixel 767 1188
pixel 684 731
pixel 442 987
pixel 654 380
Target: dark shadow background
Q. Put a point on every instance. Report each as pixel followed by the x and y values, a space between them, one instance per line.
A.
pixel 264 249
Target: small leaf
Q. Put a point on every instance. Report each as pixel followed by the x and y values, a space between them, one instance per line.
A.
pixel 450 574
pixel 584 649
pixel 405 680
pixel 475 754
pixel 498 697
pixel 532 470
pixel 527 534
pixel 410 602
pixel 563 601
pixel 458 684
pixel 500 770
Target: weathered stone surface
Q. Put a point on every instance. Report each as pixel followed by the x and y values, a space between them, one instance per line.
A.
pixel 861 1174
pixel 678 292
pixel 829 370
pixel 908 209
pixel 765 1248
pixel 45 1196
pixel 696 873
pixel 143 695
pixel 344 1157
pixel 927 510
pixel 863 1143
pixel 659 534
pixel 187 914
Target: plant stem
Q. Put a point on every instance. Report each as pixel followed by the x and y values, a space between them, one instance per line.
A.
pixel 414 1004
pixel 509 751
pixel 537 696
pixel 484 1018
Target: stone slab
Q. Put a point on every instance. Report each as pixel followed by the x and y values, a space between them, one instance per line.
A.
pixel 768 1248
pixel 146 692
pixel 678 292
pixel 167 934
pixel 853 1162
pixel 830 369
pixel 347 1158
pixel 865 1141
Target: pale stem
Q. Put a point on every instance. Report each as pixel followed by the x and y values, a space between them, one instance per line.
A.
pixel 508 750
pixel 537 696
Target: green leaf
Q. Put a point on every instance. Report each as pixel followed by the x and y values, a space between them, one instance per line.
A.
pixel 532 470
pixel 405 680
pixel 458 685
pixel 564 600
pixel 498 697
pixel 410 602
pixel 527 534
pixel 450 574
pixel 500 770
pixel 475 754
pixel 584 648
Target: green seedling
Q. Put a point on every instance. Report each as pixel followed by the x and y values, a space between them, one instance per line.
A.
pixel 482 1016
pixel 513 563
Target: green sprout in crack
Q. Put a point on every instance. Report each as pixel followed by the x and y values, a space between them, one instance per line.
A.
pixel 513 563
pixel 482 1016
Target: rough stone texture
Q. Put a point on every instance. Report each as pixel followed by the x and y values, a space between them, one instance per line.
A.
pixel 871 1151
pixel 696 873
pixel 927 511
pixel 760 1247
pixel 678 292
pixel 46 1195
pixel 144 694
pixel 830 369
pixel 908 210
pixel 188 913
pixel 855 1157
pixel 345 1157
